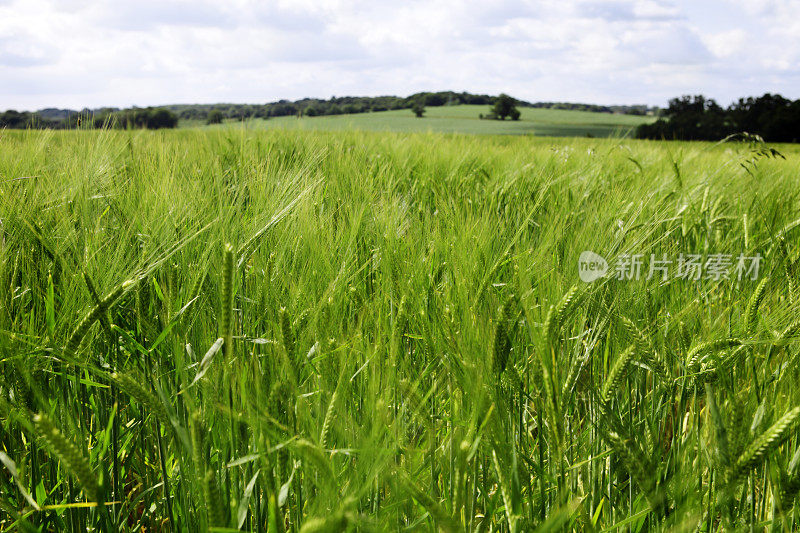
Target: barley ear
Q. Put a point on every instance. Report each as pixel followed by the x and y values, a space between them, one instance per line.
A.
pixel 314 455
pixel 565 305
pixel 74 460
pixel 751 311
pixel 575 369
pixel 197 288
pixel 414 402
pixel 791 482
pixel 324 434
pixel 146 399
pixel 695 355
pixel 330 524
pixel 549 325
pixel 287 334
pixel 302 320
pixel 762 446
pixel 637 466
pixel 501 347
pixel 91 317
pixel 788 333
pixel 684 338
pixel 217 510
pixel 559 314
pixel 198 443
pixel 616 374
pixel 644 347
pixel 509 490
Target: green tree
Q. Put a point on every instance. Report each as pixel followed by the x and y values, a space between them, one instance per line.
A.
pixel 160 118
pixel 418 108
pixel 503 106
pixel 215 117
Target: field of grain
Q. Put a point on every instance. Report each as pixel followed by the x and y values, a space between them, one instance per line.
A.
pixel 465 119
pixel 235 329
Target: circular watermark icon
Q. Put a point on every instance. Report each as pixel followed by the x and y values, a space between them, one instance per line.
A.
pixel 591 266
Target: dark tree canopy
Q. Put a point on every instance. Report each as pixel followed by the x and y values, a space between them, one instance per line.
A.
pixel 215 117
pixel 772 117
pixel 504 106
pixel 22 119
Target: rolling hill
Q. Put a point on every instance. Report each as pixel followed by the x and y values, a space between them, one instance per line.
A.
pixel 464 119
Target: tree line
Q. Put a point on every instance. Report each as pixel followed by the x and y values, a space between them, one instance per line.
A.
pixel 594 108
pixel 771 116
pixel 169 115
pixel 312 107
pixel 337 105
pixel 133 118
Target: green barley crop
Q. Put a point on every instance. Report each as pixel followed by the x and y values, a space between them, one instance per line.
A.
pixel 397 337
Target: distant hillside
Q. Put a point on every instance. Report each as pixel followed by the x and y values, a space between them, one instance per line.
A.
pixel 310 107
pixel 464 119
pixel 51 113
pixel 348 105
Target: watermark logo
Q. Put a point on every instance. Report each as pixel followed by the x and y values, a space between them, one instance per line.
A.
pixel 591 266
pixel 693 267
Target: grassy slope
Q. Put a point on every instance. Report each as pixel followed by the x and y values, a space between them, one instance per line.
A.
pixel 394 255
pixel 465 119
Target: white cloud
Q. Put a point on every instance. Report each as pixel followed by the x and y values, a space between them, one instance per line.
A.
pixel 727 43
pixel 21 49
pixel 123 52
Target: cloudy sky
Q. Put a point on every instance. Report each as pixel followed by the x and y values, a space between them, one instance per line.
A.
pixel 70 53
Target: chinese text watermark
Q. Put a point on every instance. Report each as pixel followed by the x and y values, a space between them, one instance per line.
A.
pixel 694 267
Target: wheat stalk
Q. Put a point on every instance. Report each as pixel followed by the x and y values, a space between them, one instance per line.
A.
pixel 722 448
pixel 399 328
pixel 226 323
pixel 288 338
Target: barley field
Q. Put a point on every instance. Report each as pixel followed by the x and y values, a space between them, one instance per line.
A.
pixel 462 119
pixel 232 329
